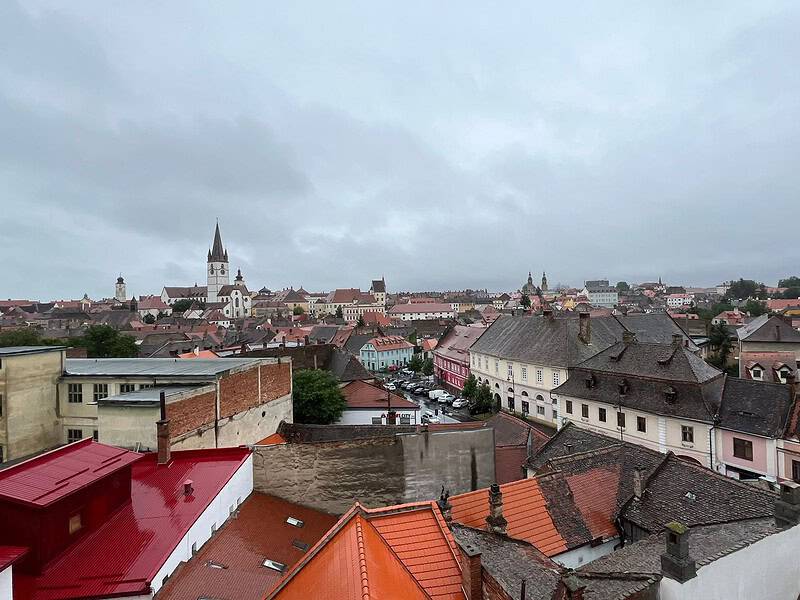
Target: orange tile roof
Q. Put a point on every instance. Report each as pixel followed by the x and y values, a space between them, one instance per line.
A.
pixel 360 394
pixel 270 440
pixel 402 552
pixel 525 509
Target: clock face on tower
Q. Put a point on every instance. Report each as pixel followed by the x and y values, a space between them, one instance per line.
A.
pixel 211 269
pixel 222 271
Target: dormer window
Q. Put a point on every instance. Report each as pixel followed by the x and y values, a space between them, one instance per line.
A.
pixel 590 381
pixel 757 374
pixel 623 387
pixel 670 394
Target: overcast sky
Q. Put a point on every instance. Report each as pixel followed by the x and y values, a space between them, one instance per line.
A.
pixel 443 145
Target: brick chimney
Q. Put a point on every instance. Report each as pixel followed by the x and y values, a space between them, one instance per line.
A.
pixel 496 522
pixel 162 433
pixel 787 507
pixel 445 507
pixel 574 588
pixel 471 576
pixel 791 381
pixel 677 340
pixel 585 327
pixel 676 562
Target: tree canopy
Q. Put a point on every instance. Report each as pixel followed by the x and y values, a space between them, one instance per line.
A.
pixel 470 387
pixel 756 308
pixel 482 403
pixel 790 282
pixel 745 288
pixel 25 337
pixel 103 341
pixel 339 312
pixel 317 397
pixel 298 310
pixel 525 301
pixel 622 286
pixel 427 366
pixel 415 364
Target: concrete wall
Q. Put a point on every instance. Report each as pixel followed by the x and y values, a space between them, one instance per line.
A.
pixel 767 570
pixel 379 471
pixel 254 424
pixel 28 385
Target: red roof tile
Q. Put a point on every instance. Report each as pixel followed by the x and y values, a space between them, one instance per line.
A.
pixel 122 557
pixel 595 494
pixel 508 463
pixel 49 477
pixel 258 532
pixel 10 554
pixel 525 509
pixel 270 440
pixel 360 394
pixel 392 342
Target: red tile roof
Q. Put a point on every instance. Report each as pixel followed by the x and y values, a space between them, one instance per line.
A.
pixel 375 318
pixel 199 354
pixel 122 557
pixel 259 531
pixel 508 463
pixel 270 440
pixel 348 296
pixel 456 344
pixel 150 303
pixel 360 394
pixel 392 342
pixel 595 495
pixel 525 509
pixel 53 475
pixel 398 552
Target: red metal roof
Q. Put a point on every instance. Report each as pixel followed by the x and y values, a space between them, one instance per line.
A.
pixel 260 531
pixel 10 554
pixel 525 509
pixel 49 477
pixel 122 557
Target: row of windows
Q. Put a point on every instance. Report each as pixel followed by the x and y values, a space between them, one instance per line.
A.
pixel 478 362
pixel 687 431
pixel 99 391
pixel 75 435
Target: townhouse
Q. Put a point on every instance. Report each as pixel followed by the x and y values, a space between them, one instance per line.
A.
pixel 422 311
pixel 451 363
pixel 390 352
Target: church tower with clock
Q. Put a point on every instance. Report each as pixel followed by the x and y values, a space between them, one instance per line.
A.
pixel 218 272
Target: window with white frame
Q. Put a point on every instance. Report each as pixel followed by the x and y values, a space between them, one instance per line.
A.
pixel 74 393
pixel 556 378
pixel 524 373
pixel 496 366
pixel 539 376
pixel 510 370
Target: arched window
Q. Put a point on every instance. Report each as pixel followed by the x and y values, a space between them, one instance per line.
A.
pixel 524 393
pixel 497 385
pixel 539 398
pixel 511 390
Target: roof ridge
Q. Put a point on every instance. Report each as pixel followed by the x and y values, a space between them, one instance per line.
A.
pixel 718 476
pixel 362 560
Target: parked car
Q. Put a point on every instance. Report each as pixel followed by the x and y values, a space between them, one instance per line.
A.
pixel 429 417
pixel 445 398
pixel 460 403
pixel 390 387
pixel 407 372
pixel 434 394
pixel 419 390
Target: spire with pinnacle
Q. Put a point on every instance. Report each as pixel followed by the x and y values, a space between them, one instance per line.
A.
pixel 217 253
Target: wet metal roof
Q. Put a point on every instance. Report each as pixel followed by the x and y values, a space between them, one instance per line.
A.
pixel 154 367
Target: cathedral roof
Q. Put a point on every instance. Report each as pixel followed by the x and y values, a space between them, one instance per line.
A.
pixel 217 252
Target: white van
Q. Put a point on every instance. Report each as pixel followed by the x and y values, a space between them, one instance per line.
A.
pixel 434 394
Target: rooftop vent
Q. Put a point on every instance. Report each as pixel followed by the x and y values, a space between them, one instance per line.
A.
pixel 294 522
pixel 670 394
pixel 590 381
pixel 690 496
pixel 300 545
pixel 623 387
pixel 215 565
pixel 274 565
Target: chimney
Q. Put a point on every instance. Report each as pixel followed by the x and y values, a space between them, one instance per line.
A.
pixel 306 340
pixel 628 336
pixel 677 340
pixel 574 588
pixel 496 521
pixel 162 433
pixel 791 381
pixel 445 507
pixel 471 575
pixel 585 327
pixel 188 490
pixel 676 562
pixel 787 507
pixel 637 483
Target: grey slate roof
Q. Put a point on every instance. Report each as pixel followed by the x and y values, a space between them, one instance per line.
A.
pixel 545 340
pixel 683 491
pixel 570 439
pixel 356 341
pixel 765 329
pixel 346 367
pixel 654 328
pixel 154 367
pixel 755 407
pixel 510 561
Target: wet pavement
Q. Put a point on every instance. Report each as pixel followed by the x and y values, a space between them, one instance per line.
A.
pixel 446 414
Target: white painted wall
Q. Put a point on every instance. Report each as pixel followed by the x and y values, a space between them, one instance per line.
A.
pixel 363 416
pixel 767 570
pixel 6 589
pixel 230 497
pixel 579 556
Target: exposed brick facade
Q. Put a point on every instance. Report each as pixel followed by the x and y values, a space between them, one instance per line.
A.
pixel 191 413
pixel 240 391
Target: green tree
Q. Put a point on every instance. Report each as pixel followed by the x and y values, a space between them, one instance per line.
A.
pixel 427 366
pixel 184 304
pixel 790 282
pixel 339 312
pixel 622 286
pixel 470 387
pixel 744 288
pixel 412 337
pixel 415 364
pixel 720 341
pixel 317 397
pixel 29 336
pixel 298 310
pixel 483 399
pixel 102 341
pixel 792 292
pixel 755 308
pixel 360 322
pixel 149 319
pixel 525 301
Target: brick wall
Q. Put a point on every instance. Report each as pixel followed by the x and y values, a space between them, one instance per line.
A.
pixel 239 391
pixel 493 590
pixel 191 413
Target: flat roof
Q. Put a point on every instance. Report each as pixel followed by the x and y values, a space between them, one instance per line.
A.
pixel 19 350
pixel 154 367
pixel 53 475
pixel 150 395
pixel 122 557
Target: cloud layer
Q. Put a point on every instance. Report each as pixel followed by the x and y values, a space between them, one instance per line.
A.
pixel 441 146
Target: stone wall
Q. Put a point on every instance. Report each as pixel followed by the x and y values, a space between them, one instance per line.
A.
pixel 377 471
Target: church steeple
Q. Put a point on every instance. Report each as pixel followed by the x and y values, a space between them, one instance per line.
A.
pixel 217 252
pixel 218 272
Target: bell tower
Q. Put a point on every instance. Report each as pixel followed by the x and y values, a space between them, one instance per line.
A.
pixel 120 294
pixel 217 267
